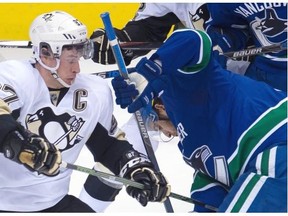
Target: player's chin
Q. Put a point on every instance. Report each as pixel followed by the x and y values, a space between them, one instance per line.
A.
pixel 70 81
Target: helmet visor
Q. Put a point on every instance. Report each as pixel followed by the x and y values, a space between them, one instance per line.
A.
pixel 150 118
pixel 85 49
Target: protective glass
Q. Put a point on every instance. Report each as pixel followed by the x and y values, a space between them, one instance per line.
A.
pixel 150 117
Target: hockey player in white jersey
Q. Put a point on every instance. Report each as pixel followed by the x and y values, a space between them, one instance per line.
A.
pixel 231 26
pixel 152 23
pixel 48 112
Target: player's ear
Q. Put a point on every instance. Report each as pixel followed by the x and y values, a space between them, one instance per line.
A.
pixel 47 57
pixel 159 107
pixel 45 52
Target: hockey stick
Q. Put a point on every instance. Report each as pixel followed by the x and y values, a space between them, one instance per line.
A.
pixel 112 73
pixel 255 51
pixel 128 182
pixel 155 45
pixel 16 44
pixel 124 45
pixel 123 72
pixel 140 45
pixel 234 54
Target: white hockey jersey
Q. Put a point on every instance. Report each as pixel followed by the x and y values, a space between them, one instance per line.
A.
pixel 153 21
pixel 188 14
pixel 67 125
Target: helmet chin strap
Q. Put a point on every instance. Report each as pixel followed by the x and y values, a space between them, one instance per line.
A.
pixel 53 71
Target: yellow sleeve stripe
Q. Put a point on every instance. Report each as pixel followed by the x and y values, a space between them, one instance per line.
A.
pixel 4 108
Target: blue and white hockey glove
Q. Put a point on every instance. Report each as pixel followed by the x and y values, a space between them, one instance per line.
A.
pixel 221 59
pixel 148 82
pixel 124 92
pixel 157 83
pixel 221 43
pixel 225 40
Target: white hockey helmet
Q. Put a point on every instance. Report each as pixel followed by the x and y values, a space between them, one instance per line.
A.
pixel 57 29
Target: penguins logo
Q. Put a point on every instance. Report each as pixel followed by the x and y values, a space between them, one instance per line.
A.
pixel 200 17
pixel 61 130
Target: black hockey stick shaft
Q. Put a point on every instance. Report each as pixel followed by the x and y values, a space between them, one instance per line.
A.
pixel 155 45
pixel 133 45
pixel 123 72
pixel 128 182
pixel 255 51
pixel 16 44
pixel 124 45
pixel 234 54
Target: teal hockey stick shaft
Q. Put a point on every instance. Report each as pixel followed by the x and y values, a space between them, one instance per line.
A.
pixel 138 116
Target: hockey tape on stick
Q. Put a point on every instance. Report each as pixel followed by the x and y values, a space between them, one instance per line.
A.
pixel 128 182
pixel 124 73
pixel 112 73
pixel 114 45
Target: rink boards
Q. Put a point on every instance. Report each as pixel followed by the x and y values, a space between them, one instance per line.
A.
pixel 15 18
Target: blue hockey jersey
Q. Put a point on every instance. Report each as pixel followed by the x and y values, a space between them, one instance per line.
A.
pixel 224 120
pixel 266 24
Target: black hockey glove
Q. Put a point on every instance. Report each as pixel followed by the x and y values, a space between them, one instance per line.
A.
pixel 103 53
pixel 137 167
pixel 36 153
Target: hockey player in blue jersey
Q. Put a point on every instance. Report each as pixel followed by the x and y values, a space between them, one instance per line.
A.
pixel 265 23
pixel 231 26
pixel 232 129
